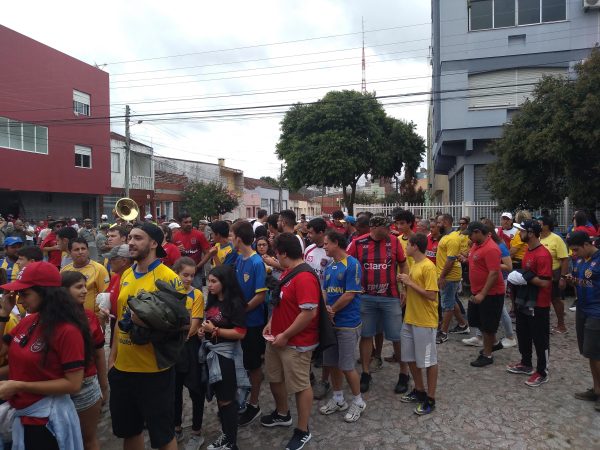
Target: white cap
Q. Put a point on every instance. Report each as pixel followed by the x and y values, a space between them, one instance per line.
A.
pixel 73 219
pixel 174 226
pixel 507 214
pixel 103 217
pixel 148 216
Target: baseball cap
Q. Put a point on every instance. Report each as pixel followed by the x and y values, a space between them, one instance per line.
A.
pixel 148 216
pixel 73 219
pixel 174 226
pixel 121 251
pixel 155 234
pixel 529 225
pixel 350 219
pixel 476 226
pixel 379 221
pixel 104 217
pixel 507 214
pixel 12 240
pixel 39 273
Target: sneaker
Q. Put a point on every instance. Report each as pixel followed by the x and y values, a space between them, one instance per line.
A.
pixel 482 361
pixel 497 346
pixel 376 364
pixel 508 342
pixel 573 307
pixel 424 408
pixel 410 397
pixel 519 368
pixel 332 406
pixel 179 435
pixel 250 415
pixel 441 337
pixel 354 412
pixel 219 443
pixel 365 382
pixel 402 384
pixel 298 440
pixel 557 330
pixel 321 389
pixel 460 329
pixel 276 420
pixel 474 341
pixel 536 380
pixel 194 442
pixel 588 395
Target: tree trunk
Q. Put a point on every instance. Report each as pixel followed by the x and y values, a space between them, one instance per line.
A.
pixel 352 197
pixel 345 194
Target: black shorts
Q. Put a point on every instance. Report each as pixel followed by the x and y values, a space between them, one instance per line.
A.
pixel 556 292
pixel 226 389
pixel 486 315
pixel 253 345
pixel 588 335
pixel 143 398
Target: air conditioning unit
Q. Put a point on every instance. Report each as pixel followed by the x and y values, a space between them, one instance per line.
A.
pixel 591 4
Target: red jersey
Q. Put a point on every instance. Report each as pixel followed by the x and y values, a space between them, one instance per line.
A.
pixel 113 289
pixel 300 292
pixel 193 242
pixel 25 355
pixel 173 254
pixel 379 260
pixel 432 245
pixel 589 230
pixel 539 261
pixel 97 339
pixel 54 256
pixel 483 259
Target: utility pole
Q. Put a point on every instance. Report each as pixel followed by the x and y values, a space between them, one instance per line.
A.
pixel 363 86
pixel 280 186
pixel 127 150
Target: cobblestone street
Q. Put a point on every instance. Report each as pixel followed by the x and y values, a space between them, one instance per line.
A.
pixel 476 408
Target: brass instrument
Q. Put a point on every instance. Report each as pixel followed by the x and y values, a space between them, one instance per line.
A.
pixel 127 209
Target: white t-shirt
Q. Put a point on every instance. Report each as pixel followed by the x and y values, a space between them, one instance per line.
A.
pixel 316 258
pixel 511 233
pixel 257 224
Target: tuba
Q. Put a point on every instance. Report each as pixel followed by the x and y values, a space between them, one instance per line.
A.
pixel 127 209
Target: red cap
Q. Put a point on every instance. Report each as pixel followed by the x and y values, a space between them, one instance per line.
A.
pixel 35 274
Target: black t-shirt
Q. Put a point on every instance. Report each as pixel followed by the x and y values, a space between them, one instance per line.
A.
pixel 235 318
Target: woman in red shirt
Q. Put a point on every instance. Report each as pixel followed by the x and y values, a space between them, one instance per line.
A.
pixel 173 253
pixel 88 401
pixel 47 352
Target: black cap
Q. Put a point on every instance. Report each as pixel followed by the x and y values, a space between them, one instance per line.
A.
pixel 474 226
pixel 155 234
pixel 529 225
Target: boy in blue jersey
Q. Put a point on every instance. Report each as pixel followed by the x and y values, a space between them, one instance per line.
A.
pixel 9 263
pixel 223 252
pixel 251 275
pixel 342 288
pixel 586 279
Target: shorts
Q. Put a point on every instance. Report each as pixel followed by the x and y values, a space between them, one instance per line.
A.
pixel 448 295
pixel 226 389
pixel 143 399
pixel 253 346
pixel 418 345
pixel 588 335
pixel 342 355
pixel 384 311
pixel 486 315
pixel 89 394
pixel 556 292
pixel 288 366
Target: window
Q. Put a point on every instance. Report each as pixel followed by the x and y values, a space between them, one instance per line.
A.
pixel 264 203
pixel 83 157
pixel 115 162
pixel 23 136
pixel 81 103
pixel 487 14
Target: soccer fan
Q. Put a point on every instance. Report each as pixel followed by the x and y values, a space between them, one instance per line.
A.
pixel 517 246
pixel 119 261
pixel 261 219
pixel 286 223
pixel 361 226
pixel 95 273
pixel 88 232
pixel 586 279
pixel 381 258
pixel 12 245
pixel 507 230
pixel 251 276
pixel 533 317
pixel 116 235
pixel 273 228
pixel 294 330
pixel 342 288
pixel 191 243
pixel 433 240
pixel 350 225
pixel 141 393
pixel 222 252
pixel 27 255
pixel 404 221
pixel 73 224
pixel 49 244
pixel 63 237
pixel 337 222
pixel 449 276
pixel 173 253
pixel 581 223
pixel 423 227
pixel 420 325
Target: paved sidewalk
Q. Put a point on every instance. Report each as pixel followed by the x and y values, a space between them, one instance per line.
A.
pixel 476 408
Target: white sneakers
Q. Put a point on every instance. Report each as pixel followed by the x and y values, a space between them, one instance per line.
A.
pixel 474 341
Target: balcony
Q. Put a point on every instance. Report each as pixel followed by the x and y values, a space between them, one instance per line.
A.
pixel 140 182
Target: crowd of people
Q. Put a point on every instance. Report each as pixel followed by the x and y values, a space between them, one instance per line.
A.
pixel 275 299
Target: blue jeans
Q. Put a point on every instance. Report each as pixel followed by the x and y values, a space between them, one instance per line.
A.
pixel 375 310
pixel 448 295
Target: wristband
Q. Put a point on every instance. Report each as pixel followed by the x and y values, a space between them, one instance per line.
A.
pixel 4 319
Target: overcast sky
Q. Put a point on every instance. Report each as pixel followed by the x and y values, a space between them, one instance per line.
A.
pixel 198 56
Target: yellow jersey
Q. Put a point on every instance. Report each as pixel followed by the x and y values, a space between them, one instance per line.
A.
pixel 194 303
pixel 97 281
pixel 404 242
pixel 226 254
pixel 464 242
pixel 420 311
pixel 516 242
pixel 13 320
pixel 12 269
pixel 557 248
pixel 132 357
pixel 449 247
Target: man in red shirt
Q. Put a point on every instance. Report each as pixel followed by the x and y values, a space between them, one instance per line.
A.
pixel 433 239
pixel 50 245
pixel 338 223
pixel 294 326
pixel 534 296
pixel 487 287
pixel 192 243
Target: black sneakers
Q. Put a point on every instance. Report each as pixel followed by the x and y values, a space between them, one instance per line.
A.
pixel 365 382
pixel 276 420
pixel 249 415
pixel 402 385
pixel 298 440
pixel 482 361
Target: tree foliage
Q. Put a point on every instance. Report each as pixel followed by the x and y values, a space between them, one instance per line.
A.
pixel 365 198
pixel 342 137
pixel 551 148
pixel 202 200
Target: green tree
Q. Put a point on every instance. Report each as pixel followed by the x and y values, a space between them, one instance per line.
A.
pixel 202 200
pixel 345 135
pixel 364 198
pixel 551 148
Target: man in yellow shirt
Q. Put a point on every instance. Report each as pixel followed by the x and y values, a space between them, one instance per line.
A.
pixel 223 251
pixel 560 268
pixel 420 325
pixel 404 221
pixel 142 395
pixel 95 274
pixel 449 276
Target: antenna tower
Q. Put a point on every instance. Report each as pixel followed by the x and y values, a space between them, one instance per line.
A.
pixel 363 86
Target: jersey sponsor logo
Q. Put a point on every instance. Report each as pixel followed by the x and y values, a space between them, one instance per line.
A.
pixel 376 266
pixel 246 277
pixel 335 290
pixel 37 346
pixel 588 273
pixel 378 288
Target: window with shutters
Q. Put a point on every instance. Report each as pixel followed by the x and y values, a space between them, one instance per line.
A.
pixel 81 103
pixel 481 194
pixel 83 157
pixel 488 14
pixel 27 137
pixel 115 162
pixel 506 88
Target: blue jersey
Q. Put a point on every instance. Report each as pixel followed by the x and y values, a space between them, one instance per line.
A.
pixel 587 282
pixel 341 277
pixel 252 275
pixel 11 267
